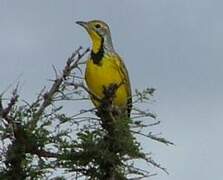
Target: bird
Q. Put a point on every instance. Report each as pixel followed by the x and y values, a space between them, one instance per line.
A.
pixel 105 70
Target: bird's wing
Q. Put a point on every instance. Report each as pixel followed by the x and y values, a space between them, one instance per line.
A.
pixel 124 74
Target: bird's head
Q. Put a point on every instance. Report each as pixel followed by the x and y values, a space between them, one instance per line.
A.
pixel 99 33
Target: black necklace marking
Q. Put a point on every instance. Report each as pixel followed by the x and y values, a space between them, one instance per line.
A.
pixel 97 57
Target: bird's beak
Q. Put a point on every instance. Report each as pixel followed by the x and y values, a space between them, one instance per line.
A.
pixel 82 23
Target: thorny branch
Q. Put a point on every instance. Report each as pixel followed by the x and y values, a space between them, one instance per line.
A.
pixel 153 137
pixel 4 112
pixel 72 63
pixel 22 142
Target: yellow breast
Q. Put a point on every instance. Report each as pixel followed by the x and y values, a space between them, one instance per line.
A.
pixel 103 75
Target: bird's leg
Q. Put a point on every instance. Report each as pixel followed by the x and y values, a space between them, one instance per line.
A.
pixel 107 101
pixel 106 105
pixel 109 92
pixel 109 95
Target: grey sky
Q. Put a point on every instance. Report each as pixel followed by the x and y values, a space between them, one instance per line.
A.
pixel 172 45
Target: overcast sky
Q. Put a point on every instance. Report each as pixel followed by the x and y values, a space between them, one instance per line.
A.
pixel 172 45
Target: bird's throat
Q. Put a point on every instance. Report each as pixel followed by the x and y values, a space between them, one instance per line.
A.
pixel 97 51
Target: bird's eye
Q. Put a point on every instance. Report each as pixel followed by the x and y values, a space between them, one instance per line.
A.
pixel 97 26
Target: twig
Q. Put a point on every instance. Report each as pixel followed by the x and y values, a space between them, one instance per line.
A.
pixel 81 85
pixel 151 161
pixel 46 154
pixel 144 113
pixel 5 111
pixel 159 139
pixel 71 64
